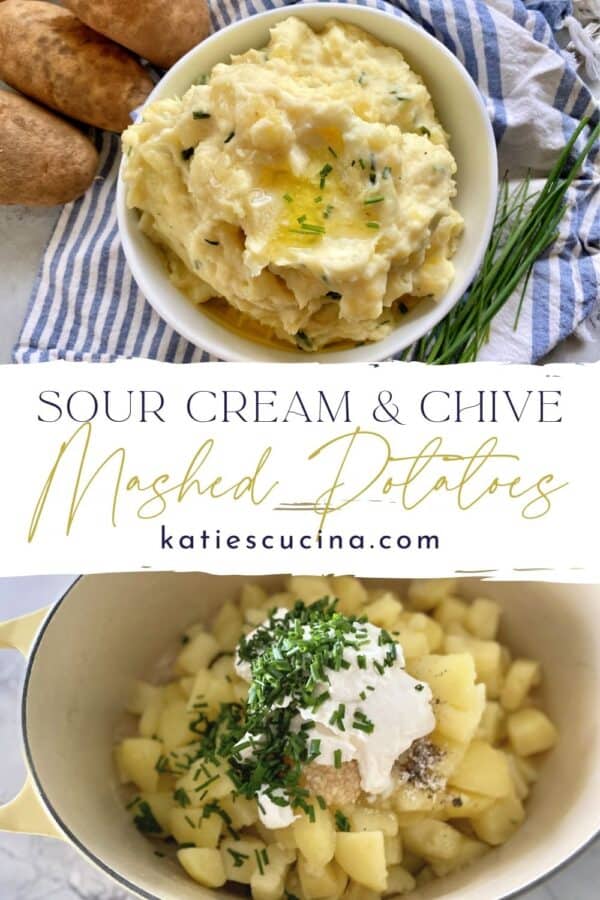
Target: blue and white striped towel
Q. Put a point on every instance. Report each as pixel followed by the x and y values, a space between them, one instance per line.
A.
pixel 85 305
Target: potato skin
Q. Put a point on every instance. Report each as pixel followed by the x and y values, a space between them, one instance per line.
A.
pixel 48 54
pixel 161 31
pixel 44 160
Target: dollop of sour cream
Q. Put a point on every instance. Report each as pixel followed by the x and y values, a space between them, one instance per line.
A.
pixel 397 705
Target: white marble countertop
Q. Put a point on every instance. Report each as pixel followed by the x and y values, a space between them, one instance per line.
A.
pixel 46 869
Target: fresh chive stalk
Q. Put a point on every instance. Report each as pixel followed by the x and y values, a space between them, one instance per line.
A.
pixel 525 226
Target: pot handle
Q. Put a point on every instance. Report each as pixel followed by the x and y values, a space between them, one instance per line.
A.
pixel 26 813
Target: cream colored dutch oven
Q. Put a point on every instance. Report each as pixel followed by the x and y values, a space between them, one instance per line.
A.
pixel 109 629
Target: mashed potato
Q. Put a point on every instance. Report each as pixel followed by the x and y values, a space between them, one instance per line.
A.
pixel 308 186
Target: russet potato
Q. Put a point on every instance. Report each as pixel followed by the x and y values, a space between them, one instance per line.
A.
pixel 48 54
pixel 159 30
pixel 44 161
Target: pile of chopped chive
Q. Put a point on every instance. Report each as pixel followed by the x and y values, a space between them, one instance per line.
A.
pixel 525 227
pixel 260 742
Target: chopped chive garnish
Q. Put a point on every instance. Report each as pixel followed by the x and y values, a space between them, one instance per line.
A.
pixel 190 822
pixel 323 174
pixel 361 659
pixel 341 821
pixel 301 219
pixel 288 198
pixel 386 172
pixel 372 224
pixel 303 340
pixel 229 137
pixel 238 858
pixel 181 797
pixel 321 802
pixel 213 244
pixel 328 210
pixel 332 151
pixel 318 199
pixel 361 163
pixel 378 199
pixel 259 862
pixel 337 759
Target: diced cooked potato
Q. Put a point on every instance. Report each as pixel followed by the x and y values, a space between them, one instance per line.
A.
pixel 197 654
pixel 309 588
pixel 351 593
pixel 316 838
pixel 281 600
pixel 451 610
pixel 528 768
pixel 227 627
pixel 451 678
pixel 520 784
pixel 531 731
pixel 414 643
pixel 174 725
pixel 190 826
pixel 171 693
pixel 492 726
pixel 137 759
pixel 253 596
pixel 384 611
pixel 424 594
pixel 400 881
pixel 417 621
pixel 488 659
pixel 223 667
pixel 209 692
pixel 496 824
pixel 408 798
pixel 239 858
pixel 356 891
pixel 203 865
pixel 255 617
pixel 393 849
pixel 141 694
pixel 205 782
pixel 483 770
pixel 432 839
pixel 463 804
pixel 522 676
pixel 362 856
pixel 461 724
pixel 186 684
pixel 268 882
pixel 318 883
pixel 469 850
pixel 242 811
pixel 363 818
pixel 483 618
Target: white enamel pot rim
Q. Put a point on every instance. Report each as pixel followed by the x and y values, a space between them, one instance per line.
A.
pixel 34 810
pixel 457 101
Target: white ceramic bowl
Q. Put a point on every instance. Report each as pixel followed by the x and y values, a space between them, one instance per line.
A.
pixel 110 629
pixel 462 113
